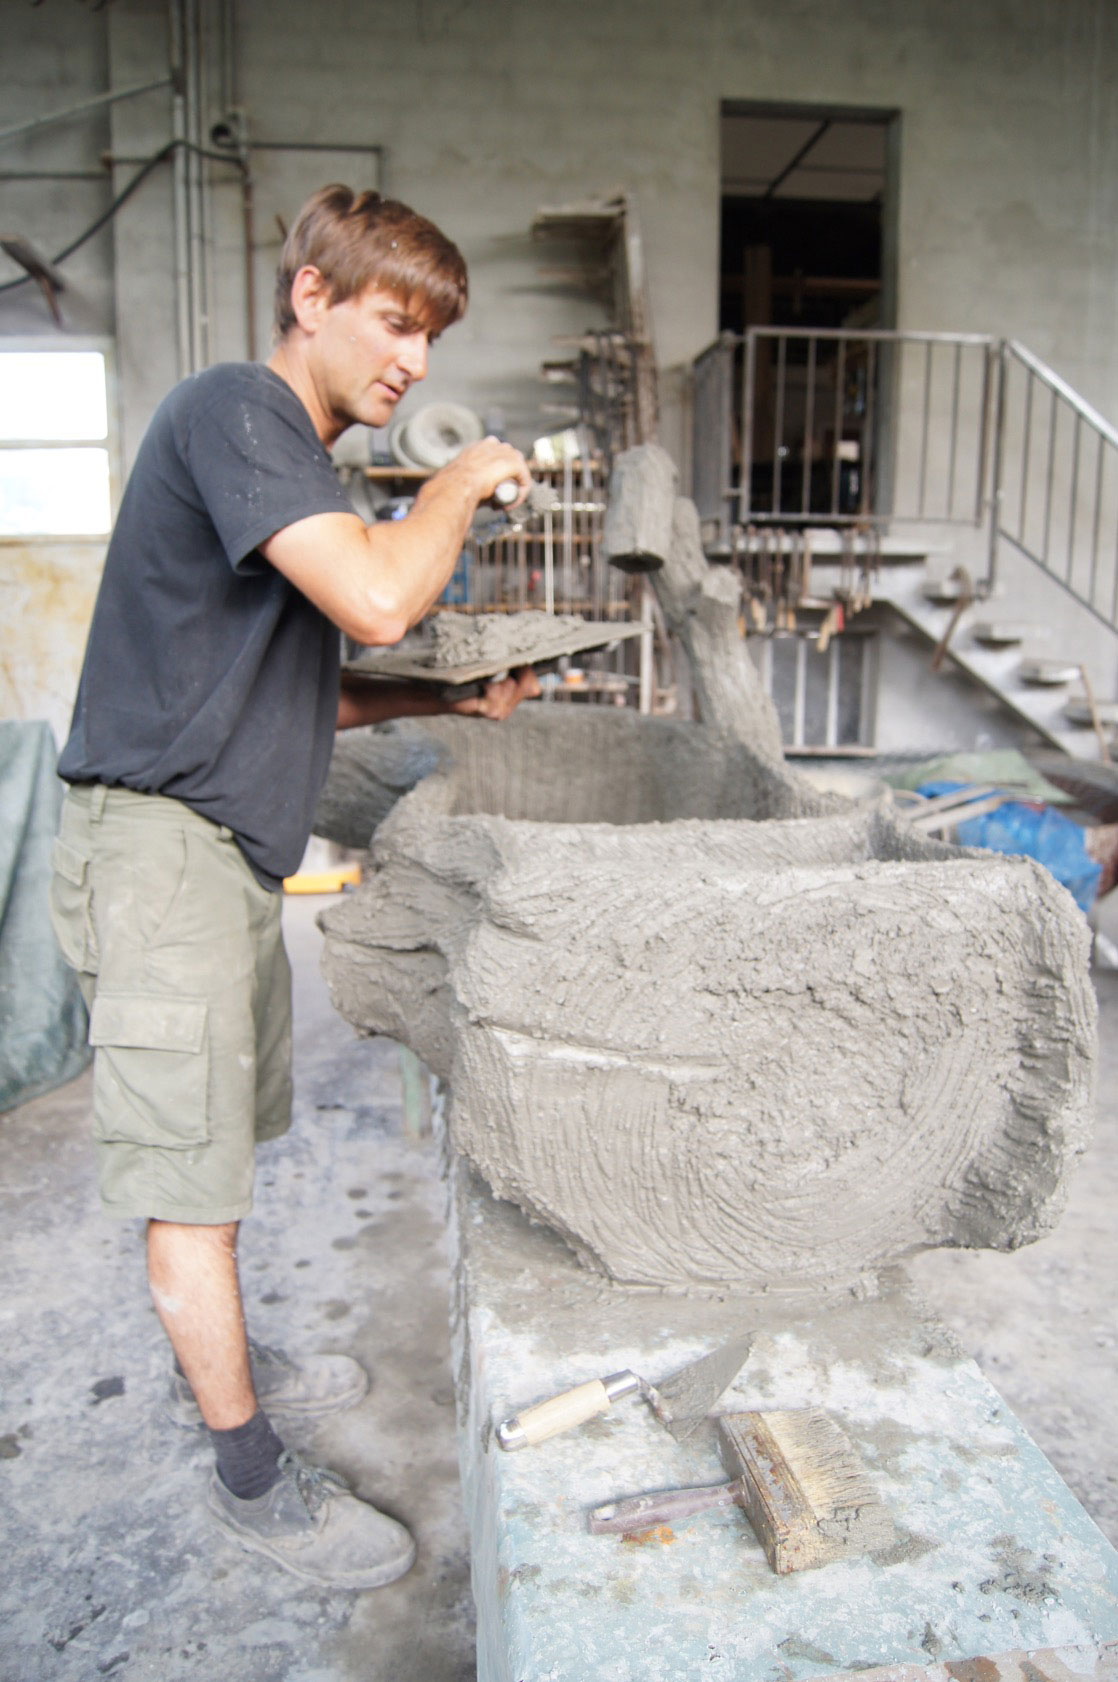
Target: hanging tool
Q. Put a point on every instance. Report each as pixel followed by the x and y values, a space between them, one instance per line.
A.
pixel 680 1402
pixel 50 282
pixel 965 598
pixel 833 624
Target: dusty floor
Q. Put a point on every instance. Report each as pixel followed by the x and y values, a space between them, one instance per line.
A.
pixel 110 1565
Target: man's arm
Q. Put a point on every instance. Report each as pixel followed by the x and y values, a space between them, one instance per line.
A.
pixel 375 582
pixel 373 702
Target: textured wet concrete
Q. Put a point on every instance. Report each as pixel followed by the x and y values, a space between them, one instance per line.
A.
pixel 771 1052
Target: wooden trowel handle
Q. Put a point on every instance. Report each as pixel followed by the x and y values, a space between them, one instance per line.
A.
pixel 561 1413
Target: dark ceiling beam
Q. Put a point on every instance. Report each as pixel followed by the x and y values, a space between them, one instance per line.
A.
pixel 798 159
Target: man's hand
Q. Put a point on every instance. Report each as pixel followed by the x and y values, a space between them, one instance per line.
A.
pixel 480 468
pixel 502 696
pixel 376 701
pixel 375 582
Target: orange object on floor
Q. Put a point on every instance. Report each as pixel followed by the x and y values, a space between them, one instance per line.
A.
pixel 323 881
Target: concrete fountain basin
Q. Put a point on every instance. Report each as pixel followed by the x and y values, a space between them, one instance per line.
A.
pixel 713 1027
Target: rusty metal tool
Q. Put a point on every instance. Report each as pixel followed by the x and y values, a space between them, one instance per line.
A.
pixel 680 1402
pixel 663 1506
pixel 799 1479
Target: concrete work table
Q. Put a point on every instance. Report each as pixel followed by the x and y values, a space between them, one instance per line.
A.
pixel 994 1558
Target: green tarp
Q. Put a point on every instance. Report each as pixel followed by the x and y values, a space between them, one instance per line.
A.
pixel 42 1017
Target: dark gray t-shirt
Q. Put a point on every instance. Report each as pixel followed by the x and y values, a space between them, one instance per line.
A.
pixel 207 676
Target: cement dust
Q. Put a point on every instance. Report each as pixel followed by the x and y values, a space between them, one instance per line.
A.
pixel 462 639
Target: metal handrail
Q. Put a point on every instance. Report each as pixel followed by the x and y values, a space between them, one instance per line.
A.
pixel 882 333
pixel 1064 535
pixel 1062 389
pixel 1042 462
pixel 851 476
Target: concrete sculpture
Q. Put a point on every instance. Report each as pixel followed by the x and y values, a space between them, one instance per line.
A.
pixel 708 1036
pixel 716 1028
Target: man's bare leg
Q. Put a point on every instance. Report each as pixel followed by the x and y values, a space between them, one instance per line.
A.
pixel 192 1271
pixel 193 1275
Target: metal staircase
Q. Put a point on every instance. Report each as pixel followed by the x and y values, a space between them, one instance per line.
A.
pixel 906 454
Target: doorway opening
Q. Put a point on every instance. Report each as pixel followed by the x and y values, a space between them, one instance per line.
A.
pixel 808 217
pixel 808 245
pixel 808 248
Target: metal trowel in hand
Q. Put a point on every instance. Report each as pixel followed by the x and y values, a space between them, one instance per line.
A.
pixel 680 1402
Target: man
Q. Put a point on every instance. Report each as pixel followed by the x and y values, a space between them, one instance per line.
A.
pixel 201 738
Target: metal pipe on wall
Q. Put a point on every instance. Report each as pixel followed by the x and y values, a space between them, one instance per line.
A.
pixel 229 85
pixel 53 175
pixel 193 234
pixel 229 101
pixel 195 179
pixel 248 226
pixel 111 98
pixel 191 290
pixel 176 55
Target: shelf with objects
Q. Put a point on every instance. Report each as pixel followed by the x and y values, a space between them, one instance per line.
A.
pixel 546 558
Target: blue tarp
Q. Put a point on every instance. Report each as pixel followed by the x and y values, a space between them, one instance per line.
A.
pixel 42 1016
pixel 1036 831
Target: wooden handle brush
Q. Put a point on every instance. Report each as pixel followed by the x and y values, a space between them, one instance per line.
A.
pixel 799 1478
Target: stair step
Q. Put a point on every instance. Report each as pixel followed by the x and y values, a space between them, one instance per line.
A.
pixel 1054 674
pixel 1000 633
pixel 998 669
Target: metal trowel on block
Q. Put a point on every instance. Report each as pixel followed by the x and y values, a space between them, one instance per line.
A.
pixel 681 1402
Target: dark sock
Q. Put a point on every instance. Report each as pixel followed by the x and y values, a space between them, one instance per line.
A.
pixel 247 1456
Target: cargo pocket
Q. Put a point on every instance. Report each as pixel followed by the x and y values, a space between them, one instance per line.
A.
pixel 151 1070
pixel 71 906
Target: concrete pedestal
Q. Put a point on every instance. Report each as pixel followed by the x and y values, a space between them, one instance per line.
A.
pixel 994 1559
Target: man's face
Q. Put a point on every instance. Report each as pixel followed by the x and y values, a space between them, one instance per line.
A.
pixel 368 351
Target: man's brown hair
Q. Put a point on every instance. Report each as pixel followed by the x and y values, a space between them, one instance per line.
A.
pixel 358 239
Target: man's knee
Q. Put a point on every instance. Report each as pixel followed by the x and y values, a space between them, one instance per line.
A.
pixel 206 1232
pixel 172 1244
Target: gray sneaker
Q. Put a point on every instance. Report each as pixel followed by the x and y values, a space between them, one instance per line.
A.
pixel 313 1525
pixel 285 1389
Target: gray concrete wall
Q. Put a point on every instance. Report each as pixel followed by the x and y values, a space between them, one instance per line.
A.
pixel 1008 215
pixel 1009 155
pixel 52 182
pixel 1009 148
pixel 52 185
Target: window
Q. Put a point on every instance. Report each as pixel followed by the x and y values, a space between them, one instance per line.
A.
pixel 825 702
pixel 54 445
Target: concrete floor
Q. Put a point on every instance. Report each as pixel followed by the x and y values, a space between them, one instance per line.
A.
pixel 110 1564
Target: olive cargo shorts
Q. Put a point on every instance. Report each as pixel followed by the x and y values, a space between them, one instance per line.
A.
pixel 180 957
